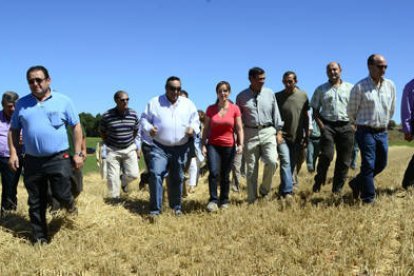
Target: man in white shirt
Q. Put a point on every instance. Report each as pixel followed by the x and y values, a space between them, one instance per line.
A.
pixel 170 120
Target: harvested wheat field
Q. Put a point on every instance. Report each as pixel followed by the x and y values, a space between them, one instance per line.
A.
pixel 316 235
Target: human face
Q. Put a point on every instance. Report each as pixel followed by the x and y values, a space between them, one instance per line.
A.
pixel 223 93
pixel 289 82
pixel 334 72
pixel 122 102
pixel 378 68
pixel 257 82
pixel 39 84
pixel 8 108
pixel 173 90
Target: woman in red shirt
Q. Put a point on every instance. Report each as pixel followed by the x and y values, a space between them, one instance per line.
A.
pixel 222 121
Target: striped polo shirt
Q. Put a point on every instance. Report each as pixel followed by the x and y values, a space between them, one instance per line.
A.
pixel 120 129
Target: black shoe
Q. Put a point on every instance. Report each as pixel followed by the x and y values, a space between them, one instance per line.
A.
pixel 354 187
pixel 316 188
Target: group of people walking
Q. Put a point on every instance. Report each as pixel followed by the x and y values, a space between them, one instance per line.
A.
pixel 267 128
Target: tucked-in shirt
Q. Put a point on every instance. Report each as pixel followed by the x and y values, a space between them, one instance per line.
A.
pixel 120 128
pixel 259 109
pixel 407 108
pixel 171 120
pixel 332 101
pixel 43 123
pixel 372 106
pixel 4 129
pixel 222 128
pixel 293 107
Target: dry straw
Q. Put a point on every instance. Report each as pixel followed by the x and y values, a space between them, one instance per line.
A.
pixel 317 235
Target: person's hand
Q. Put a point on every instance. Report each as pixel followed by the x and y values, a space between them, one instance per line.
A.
pixel 189 131
pixel 239 149
pixel 204 150
pixel 14 162
pixel 78 161
pixel 153 131
pixel 408 137
pixel 279 138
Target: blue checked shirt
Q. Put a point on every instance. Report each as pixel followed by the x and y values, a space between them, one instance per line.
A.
pixel 370 105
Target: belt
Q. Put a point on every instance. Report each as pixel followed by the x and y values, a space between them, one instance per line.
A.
pixel 371 129
pixel 48 156
pixel 259 127
pixel 337 123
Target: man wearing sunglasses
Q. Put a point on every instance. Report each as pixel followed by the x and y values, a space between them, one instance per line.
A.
pixel 119 128
pixel 371 106
pixel 170 120
pixel 42 117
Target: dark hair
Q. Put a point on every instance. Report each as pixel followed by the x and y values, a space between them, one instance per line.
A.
pixel 337 63
pixel 288 73
pixel 118 93
pixel 255 71
pixel 183 92
pixel 37 68
pixel 371 59
pixel 9 97
pixel 172 78
pixel 223 83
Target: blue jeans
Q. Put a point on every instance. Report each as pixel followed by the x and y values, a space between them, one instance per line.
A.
pixel 286 179
pixel 312 153
pixel 374 154
pixel 220 161
pixel 163 160
pixel 9 181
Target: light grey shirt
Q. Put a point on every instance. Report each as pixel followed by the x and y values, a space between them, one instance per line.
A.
pixel 331 102
pixel 370 105
pixel 260 110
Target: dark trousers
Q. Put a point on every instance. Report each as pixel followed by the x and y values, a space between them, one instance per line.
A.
pixel 146 149
pixel 76 187
pixel 40 172
pixel 408 180
pixel 339 135
pixel 9 181
pixel 220 160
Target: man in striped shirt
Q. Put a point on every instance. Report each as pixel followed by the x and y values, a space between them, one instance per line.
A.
pixel 371 106
pixel 119 127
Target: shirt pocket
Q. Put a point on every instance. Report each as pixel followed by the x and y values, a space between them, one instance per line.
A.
pixel 55 119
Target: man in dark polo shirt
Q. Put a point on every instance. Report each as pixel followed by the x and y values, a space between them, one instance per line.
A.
pixel 119 127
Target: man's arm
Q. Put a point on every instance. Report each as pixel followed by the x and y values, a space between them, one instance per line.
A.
pixel 13 138
pixel 77 144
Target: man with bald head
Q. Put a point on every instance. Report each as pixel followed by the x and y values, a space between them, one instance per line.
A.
pixel 371 106
pixel 329 103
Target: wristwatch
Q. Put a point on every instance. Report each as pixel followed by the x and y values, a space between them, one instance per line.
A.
pixel 80 154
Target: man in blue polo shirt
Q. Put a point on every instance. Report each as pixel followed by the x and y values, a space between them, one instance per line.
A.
pixel 42 117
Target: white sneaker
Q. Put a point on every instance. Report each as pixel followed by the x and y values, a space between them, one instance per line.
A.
pixel 212 207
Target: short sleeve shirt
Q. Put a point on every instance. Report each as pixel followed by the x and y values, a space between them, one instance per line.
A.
pixel 222 128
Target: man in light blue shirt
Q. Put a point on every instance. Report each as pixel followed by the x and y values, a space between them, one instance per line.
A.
pixel 170 120
pixel 42 116
pixel 371 106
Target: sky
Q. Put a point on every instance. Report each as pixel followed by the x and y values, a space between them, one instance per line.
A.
pixel 94 48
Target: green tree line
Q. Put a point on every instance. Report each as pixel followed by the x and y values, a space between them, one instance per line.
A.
pixel 90 123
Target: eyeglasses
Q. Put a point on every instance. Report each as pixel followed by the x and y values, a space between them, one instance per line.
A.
pixel 382 66
pixel 124 100
pixel 36 80
pixel 174 88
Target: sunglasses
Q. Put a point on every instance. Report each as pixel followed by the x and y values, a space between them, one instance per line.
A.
pixel 382 66
pixel 35 80
pixel 124 100
pixel 174 88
